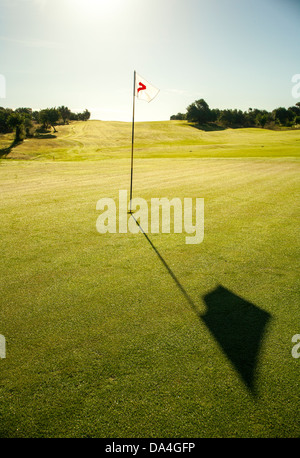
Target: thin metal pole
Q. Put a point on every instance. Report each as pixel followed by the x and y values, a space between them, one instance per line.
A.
pixel 132 140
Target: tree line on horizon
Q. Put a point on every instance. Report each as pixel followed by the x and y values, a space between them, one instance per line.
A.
pixel 27 123
pixel 199 112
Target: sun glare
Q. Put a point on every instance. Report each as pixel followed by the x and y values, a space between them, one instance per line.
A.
pixel 91 6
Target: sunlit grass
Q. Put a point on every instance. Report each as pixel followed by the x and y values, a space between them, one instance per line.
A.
pixel 101 341
pixel 96 140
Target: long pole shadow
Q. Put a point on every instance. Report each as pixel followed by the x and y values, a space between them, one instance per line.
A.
pixel 179 285
pixel 237 325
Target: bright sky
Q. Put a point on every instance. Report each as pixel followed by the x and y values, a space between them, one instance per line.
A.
pixel 82 54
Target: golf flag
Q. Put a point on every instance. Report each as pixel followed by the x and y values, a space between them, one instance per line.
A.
pixel 144 90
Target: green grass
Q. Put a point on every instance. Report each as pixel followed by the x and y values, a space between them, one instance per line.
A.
pixel 101 342
pixel 98 140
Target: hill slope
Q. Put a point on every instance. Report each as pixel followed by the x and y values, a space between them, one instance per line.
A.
pixel 111 335
pixel 98 140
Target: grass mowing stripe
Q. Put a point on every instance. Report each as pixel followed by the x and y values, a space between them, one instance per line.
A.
pixel 100 340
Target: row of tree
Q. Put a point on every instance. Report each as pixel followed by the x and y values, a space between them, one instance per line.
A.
pixel 26 122
pixel 200 113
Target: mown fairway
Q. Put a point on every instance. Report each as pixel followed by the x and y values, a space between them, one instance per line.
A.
pixel 97 140
pixel 105 333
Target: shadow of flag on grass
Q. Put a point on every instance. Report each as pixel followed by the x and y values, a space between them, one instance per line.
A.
pixel 238 326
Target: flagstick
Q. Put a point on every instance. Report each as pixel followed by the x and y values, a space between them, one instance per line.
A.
pixel 132 141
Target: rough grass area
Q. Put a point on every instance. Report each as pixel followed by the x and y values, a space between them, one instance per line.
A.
pixel 109 335
pixel 97 140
